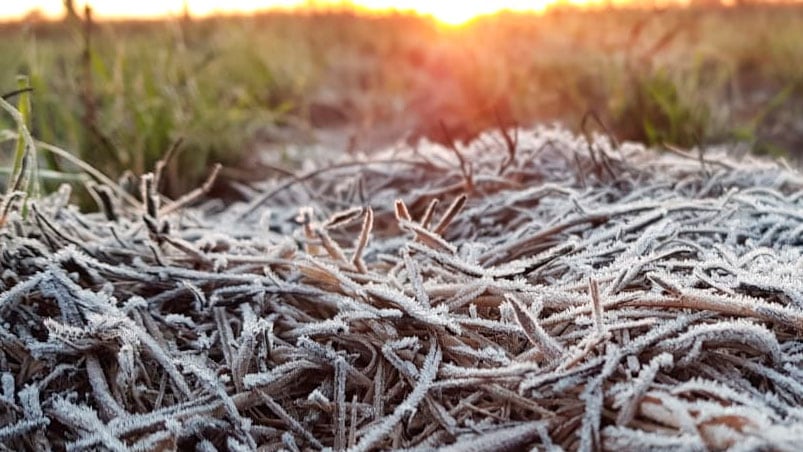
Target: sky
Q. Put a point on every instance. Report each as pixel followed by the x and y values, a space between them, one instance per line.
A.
pixel 454 11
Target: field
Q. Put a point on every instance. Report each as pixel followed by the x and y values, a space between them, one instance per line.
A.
pixel 120 94
pixel 401 251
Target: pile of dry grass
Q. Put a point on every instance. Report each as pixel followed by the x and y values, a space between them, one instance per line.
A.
pixel 561 295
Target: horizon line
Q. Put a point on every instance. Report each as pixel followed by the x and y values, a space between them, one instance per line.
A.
pixel 351 8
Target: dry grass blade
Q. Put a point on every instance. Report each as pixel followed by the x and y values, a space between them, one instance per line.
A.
pixel 194 195
pixel 331 247
pixel 362 240
pixel 429 213
pixel 344 218
pixel 164 161
pixel 596 305
pixel 533 330
pixel 450 213
pixel 401 211
pixel 292 423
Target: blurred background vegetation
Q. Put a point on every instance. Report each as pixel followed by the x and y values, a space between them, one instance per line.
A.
pixel 119 94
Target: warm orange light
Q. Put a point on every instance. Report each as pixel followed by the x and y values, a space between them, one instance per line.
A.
pixel 456 12
pixel 451 12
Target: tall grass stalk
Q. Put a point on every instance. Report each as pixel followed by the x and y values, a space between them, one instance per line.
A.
pixel 24 172
pixel 24 109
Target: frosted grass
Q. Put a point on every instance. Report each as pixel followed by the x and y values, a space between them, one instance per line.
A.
pixel 557 294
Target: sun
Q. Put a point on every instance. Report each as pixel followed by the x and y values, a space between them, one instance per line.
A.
pixel 453 13
pixel 456 13
pixel 448 12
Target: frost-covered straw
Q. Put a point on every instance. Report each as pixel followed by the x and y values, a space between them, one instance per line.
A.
pixel 352 319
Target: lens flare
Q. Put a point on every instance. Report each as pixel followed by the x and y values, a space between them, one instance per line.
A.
pixel 460 12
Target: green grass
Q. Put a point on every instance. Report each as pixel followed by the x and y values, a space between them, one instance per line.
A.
pixel 144 86
pixel 23 175
pixel 225 85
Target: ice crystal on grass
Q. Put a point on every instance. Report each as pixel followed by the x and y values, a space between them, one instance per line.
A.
pixel 609 299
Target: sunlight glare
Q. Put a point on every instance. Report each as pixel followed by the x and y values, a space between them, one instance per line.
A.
pixel 461 12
